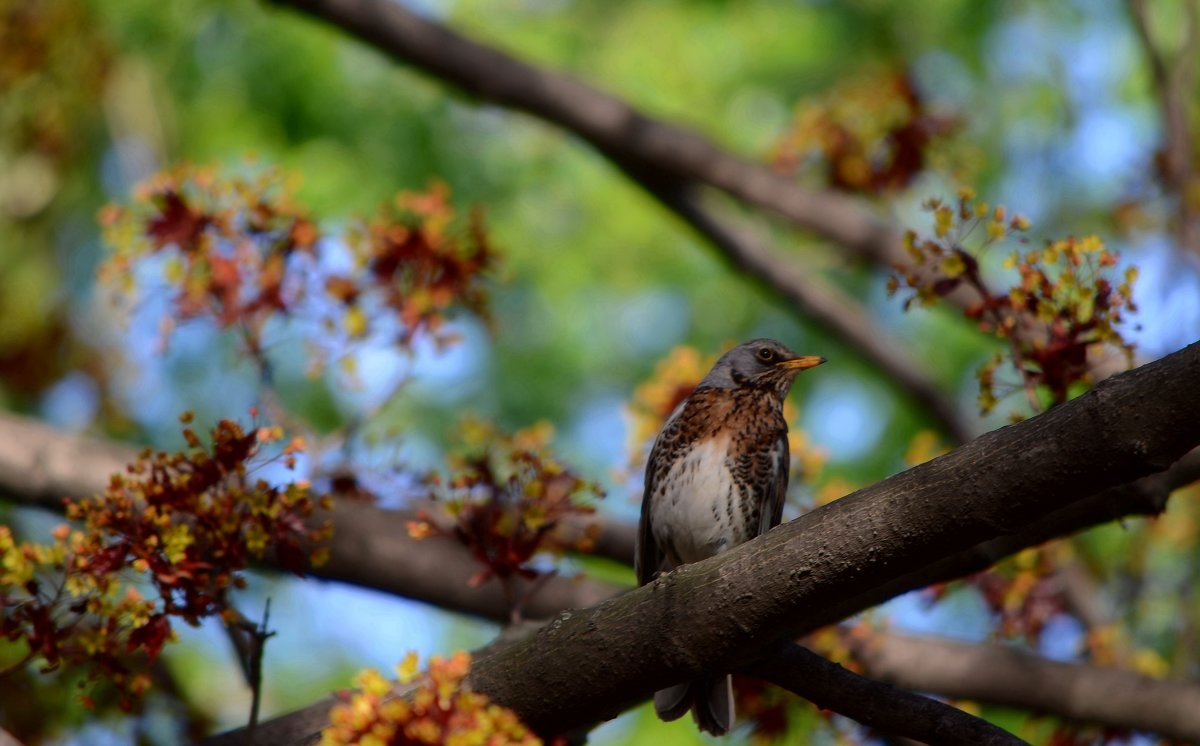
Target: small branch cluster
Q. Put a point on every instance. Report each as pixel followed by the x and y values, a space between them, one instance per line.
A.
pixel 185 525
pixel 870 135
pixel 439 708
pixel 239 251
pixel 505 496
pixel 1023 594
pixel 1063 305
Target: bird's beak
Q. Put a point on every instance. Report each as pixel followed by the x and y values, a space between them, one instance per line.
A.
pixel 802 362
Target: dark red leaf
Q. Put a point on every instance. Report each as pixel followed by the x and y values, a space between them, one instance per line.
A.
pixel 176 223
pixel 150 636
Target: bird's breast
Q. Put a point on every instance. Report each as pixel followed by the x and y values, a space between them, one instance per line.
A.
pixel 696 512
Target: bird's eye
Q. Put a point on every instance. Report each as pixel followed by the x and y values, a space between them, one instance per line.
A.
pixel 766 354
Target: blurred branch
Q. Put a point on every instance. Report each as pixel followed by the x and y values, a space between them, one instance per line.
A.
pixel 371 547
pixel 1006 676
pixel 41 466
pixel 873 703
pixel 616 129
pixel 667 160
pixel 1175 85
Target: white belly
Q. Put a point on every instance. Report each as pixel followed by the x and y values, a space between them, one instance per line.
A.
pixel 692 516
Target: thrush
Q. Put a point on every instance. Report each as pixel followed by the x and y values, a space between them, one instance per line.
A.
pixel 716 477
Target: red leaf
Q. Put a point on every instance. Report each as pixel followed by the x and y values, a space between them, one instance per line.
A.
pixel 150 636
pixel 177 223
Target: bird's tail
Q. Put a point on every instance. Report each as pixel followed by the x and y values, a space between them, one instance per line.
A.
pixel 710 699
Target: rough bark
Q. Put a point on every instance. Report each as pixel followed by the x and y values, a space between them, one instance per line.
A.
pixel 587 666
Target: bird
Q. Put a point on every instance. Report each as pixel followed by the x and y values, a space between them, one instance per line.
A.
pixel 715 478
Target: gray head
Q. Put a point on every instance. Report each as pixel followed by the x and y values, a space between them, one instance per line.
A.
pixel 760 363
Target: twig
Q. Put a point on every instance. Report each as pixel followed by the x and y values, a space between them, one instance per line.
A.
pixel 250 641
pixel 1174 83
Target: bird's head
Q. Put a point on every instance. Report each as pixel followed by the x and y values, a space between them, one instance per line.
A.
pixel 760 363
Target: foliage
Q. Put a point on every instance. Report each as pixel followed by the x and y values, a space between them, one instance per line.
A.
pixel 240 252
pixel 183 526
pixel 871 134
pixel 505 497
pixel 434 708
pixel 1063 306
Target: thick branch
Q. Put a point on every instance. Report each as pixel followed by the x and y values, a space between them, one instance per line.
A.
pixel 1079 692
pixel 589 665
pixel 374 549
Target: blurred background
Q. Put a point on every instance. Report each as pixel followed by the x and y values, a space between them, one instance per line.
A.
pixel 1047 107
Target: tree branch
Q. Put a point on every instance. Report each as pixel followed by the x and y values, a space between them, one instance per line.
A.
pixel 586 666
pixel 1117 442
pixel 1003 675
pixel 634 141
pixel 613 127
pixel 39 466
pixel 873 703
pixel 371 547
pixel 666 160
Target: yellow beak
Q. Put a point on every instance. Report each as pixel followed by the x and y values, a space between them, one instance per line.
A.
pixel 802 362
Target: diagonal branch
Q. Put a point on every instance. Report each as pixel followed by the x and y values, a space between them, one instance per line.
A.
pixel 1175 85
pixel 586 666
pixel 589 665
pixel 875 704
pixel 1003 675
pixel 616 129
pixel 667 161
pixel 628 137
pixel 1079 692
pixel 373 548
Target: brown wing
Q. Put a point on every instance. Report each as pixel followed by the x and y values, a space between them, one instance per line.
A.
pixel 649 557
pixel 776 493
